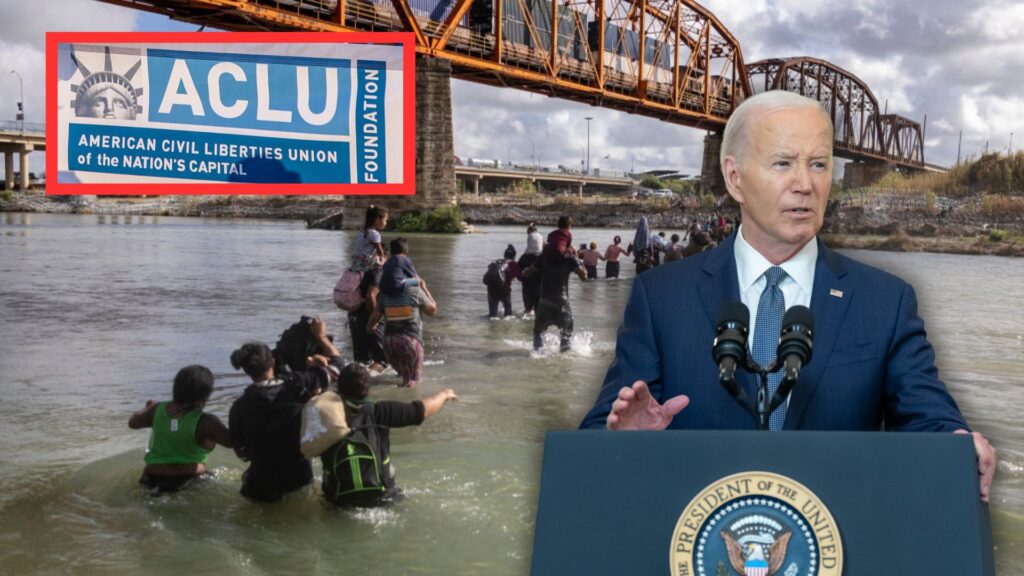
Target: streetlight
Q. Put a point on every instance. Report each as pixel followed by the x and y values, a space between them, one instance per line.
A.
pixel 533 148
pixel 21 103
pixel 588 119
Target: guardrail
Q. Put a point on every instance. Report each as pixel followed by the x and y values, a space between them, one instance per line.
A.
pixel 16 126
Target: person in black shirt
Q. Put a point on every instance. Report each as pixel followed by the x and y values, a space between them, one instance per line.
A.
pixel 553 307
pixel 265 422
pixel 368 346
pixel 354 387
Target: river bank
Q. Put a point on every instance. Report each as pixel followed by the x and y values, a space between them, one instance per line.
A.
pixel 867 222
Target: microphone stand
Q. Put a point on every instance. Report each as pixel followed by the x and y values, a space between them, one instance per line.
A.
pixel 763 414
pixel 764 406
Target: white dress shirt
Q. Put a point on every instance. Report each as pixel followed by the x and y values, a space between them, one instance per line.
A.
pixel 797 286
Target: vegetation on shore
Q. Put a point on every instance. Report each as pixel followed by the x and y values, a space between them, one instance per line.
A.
pixel 994 181
pixel 441 220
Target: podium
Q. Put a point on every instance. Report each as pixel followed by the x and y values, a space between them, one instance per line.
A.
pixel 647 503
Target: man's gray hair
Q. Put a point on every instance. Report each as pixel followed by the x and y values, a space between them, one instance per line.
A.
pixel 736 141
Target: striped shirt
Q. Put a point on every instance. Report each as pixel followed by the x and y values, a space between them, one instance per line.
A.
pixel 365 252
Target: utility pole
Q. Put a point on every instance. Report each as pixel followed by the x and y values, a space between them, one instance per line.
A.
pixel 21 103
pixel 959 141
pixel 588 119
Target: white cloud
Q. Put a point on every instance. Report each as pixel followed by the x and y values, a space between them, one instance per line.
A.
pixel 991 117
pixel 23 42
pixel 1001 20
pixel 942 125
pixel 27 22
pixel 887 80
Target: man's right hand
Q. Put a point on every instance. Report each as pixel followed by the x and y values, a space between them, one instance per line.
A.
pixel 636 409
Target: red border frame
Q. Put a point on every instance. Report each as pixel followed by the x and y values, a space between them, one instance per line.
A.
pixel 406 187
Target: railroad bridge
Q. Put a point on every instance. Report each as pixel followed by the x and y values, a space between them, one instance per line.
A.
pixel 672 60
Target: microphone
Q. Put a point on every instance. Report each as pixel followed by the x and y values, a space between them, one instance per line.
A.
pixel 794 349
pixel 730 346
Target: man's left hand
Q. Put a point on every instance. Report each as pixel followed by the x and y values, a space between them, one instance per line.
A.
pixel 986 461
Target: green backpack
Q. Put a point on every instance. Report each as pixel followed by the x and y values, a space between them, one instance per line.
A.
pixel 357 468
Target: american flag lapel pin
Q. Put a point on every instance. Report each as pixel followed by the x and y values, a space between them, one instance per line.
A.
pixel 836 293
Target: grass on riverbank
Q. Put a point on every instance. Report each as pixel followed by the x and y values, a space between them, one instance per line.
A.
pixel 995 175
pixel 441 220
pixel 994 243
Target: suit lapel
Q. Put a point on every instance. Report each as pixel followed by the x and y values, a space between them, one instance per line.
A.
pixel 830 301
pixel 722 285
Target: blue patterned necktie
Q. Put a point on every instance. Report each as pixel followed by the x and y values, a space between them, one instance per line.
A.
pixel 770 309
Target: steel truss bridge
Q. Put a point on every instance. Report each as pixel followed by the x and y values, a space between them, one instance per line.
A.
pixel 671 60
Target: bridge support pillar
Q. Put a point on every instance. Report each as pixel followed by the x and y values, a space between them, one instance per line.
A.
pixel 24 170
pixel 581 189
pixel 8 170
pixel 476 185
pixel 711 180
pixel 861 174
pixel 435 148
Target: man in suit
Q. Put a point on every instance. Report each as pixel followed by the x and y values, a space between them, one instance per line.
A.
pixel 872 365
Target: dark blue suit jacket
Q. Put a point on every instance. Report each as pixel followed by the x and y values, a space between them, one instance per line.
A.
pixel 871 362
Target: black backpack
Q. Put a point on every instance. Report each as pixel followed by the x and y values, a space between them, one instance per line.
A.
pixel 496 272
pixel 357 470
pixel 296 343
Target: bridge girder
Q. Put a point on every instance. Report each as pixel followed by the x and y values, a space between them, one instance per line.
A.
pixel 667 59
pixel 691 72
pixel 862 131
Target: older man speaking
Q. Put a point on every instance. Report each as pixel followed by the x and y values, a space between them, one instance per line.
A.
pixel 872 366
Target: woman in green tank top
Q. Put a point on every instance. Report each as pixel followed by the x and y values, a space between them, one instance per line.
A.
pixel 181 435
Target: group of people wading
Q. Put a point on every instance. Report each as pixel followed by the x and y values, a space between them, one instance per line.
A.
pixel 304 400
pixel 546 267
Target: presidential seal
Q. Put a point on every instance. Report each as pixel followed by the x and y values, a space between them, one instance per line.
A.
pixel 756 524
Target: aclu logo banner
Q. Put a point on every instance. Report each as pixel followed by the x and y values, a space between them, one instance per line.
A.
pixel 307 113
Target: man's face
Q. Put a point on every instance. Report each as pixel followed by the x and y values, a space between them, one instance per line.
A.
pixel 108 103
pixel 782 185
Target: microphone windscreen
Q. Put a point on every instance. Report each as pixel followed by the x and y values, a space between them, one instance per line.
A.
pixel 799 315
pixel 735 312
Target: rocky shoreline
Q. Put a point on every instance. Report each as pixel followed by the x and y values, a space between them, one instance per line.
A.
pixel 904 229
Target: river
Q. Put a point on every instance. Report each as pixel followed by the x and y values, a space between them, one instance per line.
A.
pixel 99 312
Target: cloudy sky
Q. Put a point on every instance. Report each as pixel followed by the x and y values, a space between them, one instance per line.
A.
pixel 960 62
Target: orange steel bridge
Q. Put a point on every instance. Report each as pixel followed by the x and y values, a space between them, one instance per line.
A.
pixel 667 59
pixel 862 131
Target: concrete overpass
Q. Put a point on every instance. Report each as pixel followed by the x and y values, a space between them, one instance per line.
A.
pixel 475 174
pixel 23 139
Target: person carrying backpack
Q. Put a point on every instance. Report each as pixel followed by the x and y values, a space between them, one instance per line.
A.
pixel 357 470
pixel 498 280
pixel 303 344
pixel 265 422
pixel 531 285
